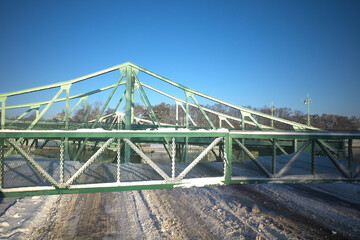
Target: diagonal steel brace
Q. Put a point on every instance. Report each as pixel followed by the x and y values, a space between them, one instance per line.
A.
pixel 253 158
pixel 338 165
pixel 32 162
pixel 288 164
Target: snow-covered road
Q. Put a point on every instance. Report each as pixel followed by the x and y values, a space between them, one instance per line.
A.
pixel 226 212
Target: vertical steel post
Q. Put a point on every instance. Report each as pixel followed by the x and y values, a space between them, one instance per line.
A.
pixel 67 113
pixel 173 154
pixel 118 158
pixel 129 104
pixel 187 126
pixel 85 109
pixel 307 101
pixel 3 100
pixel 129 107
pixel 295 143
pixel 313 157
pixel 2 150
pixel 176 113
pixel 187 110
pixel 350 156
pixel 37 111
pixel 308 111
pixel 62 160
pixel 273 156
pixel 186 149
pixel 228 157
pixel 242 140
pixel 67 88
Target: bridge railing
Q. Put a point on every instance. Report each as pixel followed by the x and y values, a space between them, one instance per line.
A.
pixel 295 157
pixel 29 174
pixel 218 157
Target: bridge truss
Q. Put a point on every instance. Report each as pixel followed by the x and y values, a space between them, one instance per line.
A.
pixel 249 150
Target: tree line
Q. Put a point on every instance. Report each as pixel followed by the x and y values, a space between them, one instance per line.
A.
pixel 166 113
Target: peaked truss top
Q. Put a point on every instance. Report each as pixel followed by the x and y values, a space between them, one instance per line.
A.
pixel 129 71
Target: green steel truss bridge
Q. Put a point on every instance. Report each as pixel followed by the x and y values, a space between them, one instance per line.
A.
pixel 117 151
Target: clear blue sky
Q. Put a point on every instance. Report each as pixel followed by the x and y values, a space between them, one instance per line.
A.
pixel 244 52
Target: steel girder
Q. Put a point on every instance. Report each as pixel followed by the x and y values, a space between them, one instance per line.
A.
pixel 227 139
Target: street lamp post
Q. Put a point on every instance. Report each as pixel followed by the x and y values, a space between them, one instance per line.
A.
pixel 272 114
pixel 307 101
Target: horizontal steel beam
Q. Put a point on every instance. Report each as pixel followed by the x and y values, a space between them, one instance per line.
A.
pixel 99 133
pixel 157 184
pixel 111 187
pixel 171 132
pixel 294 135
pixel 298 180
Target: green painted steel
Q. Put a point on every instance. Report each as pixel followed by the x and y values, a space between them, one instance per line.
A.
pixel 313 157
pixel 202 111
pixel 229 141
pixel 130 68
pixel 127 138
pixel 222 102
pixel 129 107
pixel 3 100
pixel 228 159
pixel 55 85
pixel 273 168
pixel 1 163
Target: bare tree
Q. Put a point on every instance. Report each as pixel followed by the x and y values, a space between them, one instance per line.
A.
pixel 59 117
pixel 92 111
pixel 32 116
